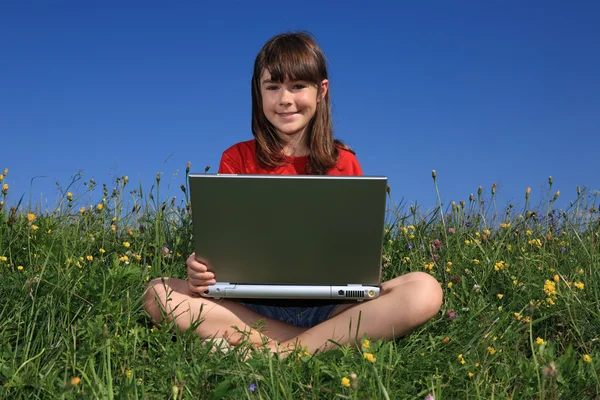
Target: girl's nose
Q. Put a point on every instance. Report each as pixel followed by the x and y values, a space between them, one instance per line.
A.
pixel 285 97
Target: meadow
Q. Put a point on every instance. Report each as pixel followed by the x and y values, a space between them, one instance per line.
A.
pixel 520 317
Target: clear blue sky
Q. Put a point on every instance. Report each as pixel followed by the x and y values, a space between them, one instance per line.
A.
pixel 483 92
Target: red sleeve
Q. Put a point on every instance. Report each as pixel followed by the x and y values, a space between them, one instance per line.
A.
pixel 348 164
pixel 231 162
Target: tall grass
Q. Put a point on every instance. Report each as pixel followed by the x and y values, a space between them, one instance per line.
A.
pixel 520 317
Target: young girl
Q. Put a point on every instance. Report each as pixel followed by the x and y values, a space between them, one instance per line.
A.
pixel 292 129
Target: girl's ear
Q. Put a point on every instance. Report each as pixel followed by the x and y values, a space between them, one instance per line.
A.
pixel 324 88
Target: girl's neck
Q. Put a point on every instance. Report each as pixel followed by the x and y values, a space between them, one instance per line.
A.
pixel 296 145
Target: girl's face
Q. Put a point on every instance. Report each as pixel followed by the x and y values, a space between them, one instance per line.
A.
pixel 291 105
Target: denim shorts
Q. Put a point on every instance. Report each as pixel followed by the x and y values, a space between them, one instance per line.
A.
pixel 304 317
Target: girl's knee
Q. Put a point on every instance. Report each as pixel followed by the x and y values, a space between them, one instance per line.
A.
pixel 155 297
pixel 431 293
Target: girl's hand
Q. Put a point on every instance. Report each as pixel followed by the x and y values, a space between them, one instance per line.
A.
pixel 199 277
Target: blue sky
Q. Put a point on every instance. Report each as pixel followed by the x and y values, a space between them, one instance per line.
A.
pixel 487 92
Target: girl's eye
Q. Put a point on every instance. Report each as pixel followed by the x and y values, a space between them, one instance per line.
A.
pixel 272 87
pixel 299 86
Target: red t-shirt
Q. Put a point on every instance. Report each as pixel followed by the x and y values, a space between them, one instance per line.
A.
pixel 241 159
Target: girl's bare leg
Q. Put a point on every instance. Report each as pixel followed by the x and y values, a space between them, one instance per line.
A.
pixel 220 318
pixel 405 303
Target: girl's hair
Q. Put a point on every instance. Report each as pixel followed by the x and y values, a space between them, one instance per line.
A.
pixel 294 56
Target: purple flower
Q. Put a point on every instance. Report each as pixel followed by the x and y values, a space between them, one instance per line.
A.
pixel 563 249
pixel 436 244
pixel 429 397
pixel 451 230
pixel 252 387
pixel 410 246
pixel 451 315
pixel 468 224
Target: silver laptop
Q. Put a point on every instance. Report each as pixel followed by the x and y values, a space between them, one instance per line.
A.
pixel 290 237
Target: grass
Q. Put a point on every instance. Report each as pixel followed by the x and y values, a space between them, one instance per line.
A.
pixel 520 317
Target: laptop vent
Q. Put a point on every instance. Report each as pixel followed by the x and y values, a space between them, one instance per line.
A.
pixel 355 293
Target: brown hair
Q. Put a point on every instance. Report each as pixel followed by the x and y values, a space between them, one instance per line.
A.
pixel 294 56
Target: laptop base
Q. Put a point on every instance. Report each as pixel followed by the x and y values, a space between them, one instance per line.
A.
pixel 242 291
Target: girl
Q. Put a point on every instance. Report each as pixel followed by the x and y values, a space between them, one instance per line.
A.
pixel 293 134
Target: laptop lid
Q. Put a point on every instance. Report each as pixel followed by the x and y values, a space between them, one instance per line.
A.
pixel 289 229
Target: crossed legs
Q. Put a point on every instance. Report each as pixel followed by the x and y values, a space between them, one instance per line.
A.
pixel 405 303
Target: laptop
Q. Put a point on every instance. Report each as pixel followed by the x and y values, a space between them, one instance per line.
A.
pixel 290 236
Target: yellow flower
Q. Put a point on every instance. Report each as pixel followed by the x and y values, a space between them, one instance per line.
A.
pixel 369 357
pixel 449 285
pixel 31 217
pixel 587 358
pixel 69 196
pixel 5 171
pixel 20 268
pixel 126 244
pixel 470 374
pixel 124 259
pixel 518 316
pixel 487 232
pixel 404 230
pixel 366 344
pixel 34 227
pixel 128 373
pixel 579 285
pixel 476 261
pixel 461 359
pixel 526 320
pixel 75 381
pixel 449 263
pixel 137 257
pixel 5 188
pixel 529 232
pixel 540 341
pixel 81 210
pixel 411 227
pixel 536 242
pixel 102 251
pixel 345 382
pixel 550 288
pixel 3 258
pixel 477 234
pixel 90 258
pixel 500 265
pixel 500 296
pixel 491 350
pixel 99 206
pixel 467 242
pixel 1 177
pixel 505 225
pixel 550 301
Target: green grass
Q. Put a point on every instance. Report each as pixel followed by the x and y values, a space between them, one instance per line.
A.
pixel 72 323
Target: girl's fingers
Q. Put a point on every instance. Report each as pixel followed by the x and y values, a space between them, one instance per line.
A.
pixel 201 282
pixel 201 275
